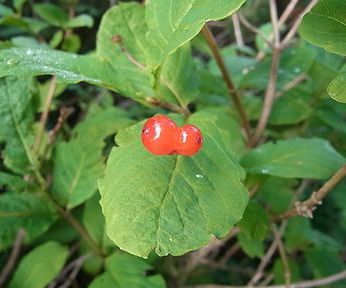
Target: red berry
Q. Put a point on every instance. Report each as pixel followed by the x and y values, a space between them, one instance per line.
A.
pixel 158 134
pixel 188 140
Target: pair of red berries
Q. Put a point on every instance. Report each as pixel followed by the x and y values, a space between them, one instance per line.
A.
pixel 161 136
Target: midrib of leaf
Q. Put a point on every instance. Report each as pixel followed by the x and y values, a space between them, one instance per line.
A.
pixel 167 192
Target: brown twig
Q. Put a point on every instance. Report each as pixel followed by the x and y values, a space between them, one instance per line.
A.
pixel 304 284
pixel 296 23
pixel 266 258
pixel 283 256
pixel 254 29
pixel 12 259
pixel 169 106
pixel 271 88
pixel 64 113
pixel 44 115
pixel 234 94
pixel 306 207
pixel 237 31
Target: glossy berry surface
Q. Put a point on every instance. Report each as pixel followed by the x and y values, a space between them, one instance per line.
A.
pixel 157 135
pixel 161 136
pixel 189 140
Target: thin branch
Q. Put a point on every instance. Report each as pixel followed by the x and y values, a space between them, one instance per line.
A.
pixel 237 31
pixel 12 259
pixel 304 284
pixel 266 258
pixel 254 29
pixel 44 115
pixel 306 207
pixel 234 94
pixel 271 88
pixel 283 256
pixel 64 113
pixel 287 12
pixel 169 106
pixel 296 24
pixel 74 267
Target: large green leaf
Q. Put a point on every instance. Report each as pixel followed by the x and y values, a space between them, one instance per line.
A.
pixel 172 204
pixel 105 280
pixel 51 13
pixel 295 158
pixel 325 26
pixel 78 163
pixel 40 266
pixel 173 23
pixel 337 88
pixel 26 211
pixel 72 68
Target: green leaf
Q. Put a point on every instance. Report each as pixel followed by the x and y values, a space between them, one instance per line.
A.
pixel 178 77
pixel 325 26
pixel 5 11
pixel 325 263
pixel 276 194
pixel 40 266
pixel 180 208
pixel 78 163
pixel 279 271
pixel 291 108
pixel 51 13
pixel 295 158
pixel 253 248
pixel 337 88
pixel 105 280
pixel 94 222
pixel 82 20
pixel 26 211
pixel 255 222
pixel 13 183
pixel 172 24
pixel 71 68
pixel 129 271
pixel 17 108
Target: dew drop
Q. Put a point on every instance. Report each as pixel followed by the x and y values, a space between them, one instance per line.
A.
pixel 199 176
pixel 11 62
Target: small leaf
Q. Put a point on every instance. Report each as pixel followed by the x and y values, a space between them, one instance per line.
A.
pixel 105 280
pixel 26 211
pixel 325 26
pixel 325 263
pixel 12 183
pixel 78 163
pixel 40 266
pixel 253 248
pixel 182 206
pixel 172 24
pixel 51 13
pixel 82 20
pixel 295 158
pixel 130 271
pixel 255 222
pixel 337 88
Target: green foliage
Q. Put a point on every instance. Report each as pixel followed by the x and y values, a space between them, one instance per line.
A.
pixel 23 211
pixel 124 270
pixel 36 270
pixel 295 158
pixel 325 26
pixel 184 197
